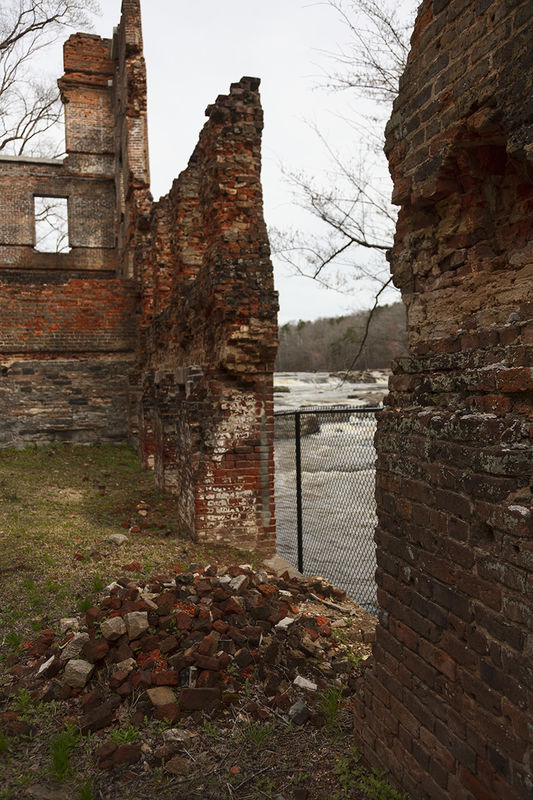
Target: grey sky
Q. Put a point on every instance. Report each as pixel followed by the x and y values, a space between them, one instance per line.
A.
pixel 195 49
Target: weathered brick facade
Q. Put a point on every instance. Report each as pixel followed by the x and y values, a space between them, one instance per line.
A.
pixel 207 408
pixel 447 704
pixel 66 319
pixel 159 324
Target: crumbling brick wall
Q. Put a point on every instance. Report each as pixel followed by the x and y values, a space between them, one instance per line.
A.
pixel 447 702
pixel 210 332
pixel 159 324
pixel 67 323
pixel 131 163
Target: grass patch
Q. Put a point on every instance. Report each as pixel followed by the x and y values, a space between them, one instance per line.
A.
pixel 98 584
pixel 4 743
pixel 55 556
pixel 86 790
pixel 354 778
pixel 84 604
pixel 125 735
pixel 23 701
pixel 61 748
pixel 255 734
pixel 376 787
pixel 331 705
pixel 13 641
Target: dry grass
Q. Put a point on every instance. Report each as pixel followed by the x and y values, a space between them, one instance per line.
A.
pixel 58 506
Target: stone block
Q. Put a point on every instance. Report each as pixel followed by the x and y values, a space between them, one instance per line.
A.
pixel 77 672
pixel 136 623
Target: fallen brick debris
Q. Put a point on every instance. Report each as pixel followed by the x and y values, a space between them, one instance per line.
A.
pixel 197 644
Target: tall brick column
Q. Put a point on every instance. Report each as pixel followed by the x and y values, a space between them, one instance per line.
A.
pixel 210 334
pixel 447 703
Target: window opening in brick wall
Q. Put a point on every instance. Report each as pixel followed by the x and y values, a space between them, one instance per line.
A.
pixel 51 224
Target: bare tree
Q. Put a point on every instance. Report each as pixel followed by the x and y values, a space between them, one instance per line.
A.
pixel 329 343
pixel 354 219
pixel 29 104
pixel 51 225
pixel 375 57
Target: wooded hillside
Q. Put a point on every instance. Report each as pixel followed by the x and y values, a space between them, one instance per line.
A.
pixel 330 344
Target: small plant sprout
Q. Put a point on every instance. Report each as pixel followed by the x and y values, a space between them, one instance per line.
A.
pixel 98 584
pixel 331 705
pixel 210 730
pixel 376 787
pixel 125 735
pixel 61 747
pixel 24 701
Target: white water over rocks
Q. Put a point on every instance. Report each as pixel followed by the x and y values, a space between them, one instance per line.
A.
pixel 338 477
pixel 321 388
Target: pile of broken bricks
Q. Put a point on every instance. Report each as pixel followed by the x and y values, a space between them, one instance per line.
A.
pixel 199 642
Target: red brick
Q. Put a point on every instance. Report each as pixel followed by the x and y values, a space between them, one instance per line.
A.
pixel 74 324
pixel 452 442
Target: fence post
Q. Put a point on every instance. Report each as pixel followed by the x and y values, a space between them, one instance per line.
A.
pixel 297 437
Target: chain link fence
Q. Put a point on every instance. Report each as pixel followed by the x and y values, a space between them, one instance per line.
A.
pixel 325 506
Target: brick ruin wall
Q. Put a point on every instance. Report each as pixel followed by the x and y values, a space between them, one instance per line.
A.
pixel 158 326
pixel 447 701
pixel 67 322
pixel 207 405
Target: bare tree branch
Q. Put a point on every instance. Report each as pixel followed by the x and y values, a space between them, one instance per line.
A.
pixel 51 225
pixel 366 330
pixel 354 219
pixel 29 104
pixel 24 19
pixel 379 43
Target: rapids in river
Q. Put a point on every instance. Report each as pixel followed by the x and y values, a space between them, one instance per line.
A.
pixel 338 477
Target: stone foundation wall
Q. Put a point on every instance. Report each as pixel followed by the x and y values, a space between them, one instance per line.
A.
pixel 63 400
pixel 447 702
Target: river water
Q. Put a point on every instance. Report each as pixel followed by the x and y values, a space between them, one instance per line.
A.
pixel 321 388
pixel 338 477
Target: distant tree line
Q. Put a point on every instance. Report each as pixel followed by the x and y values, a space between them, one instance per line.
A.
pixel 329 345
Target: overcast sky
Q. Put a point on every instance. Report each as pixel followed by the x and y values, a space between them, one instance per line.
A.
pixel 194 50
